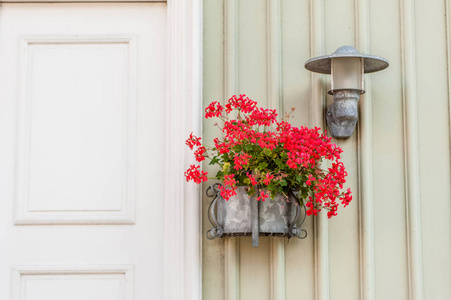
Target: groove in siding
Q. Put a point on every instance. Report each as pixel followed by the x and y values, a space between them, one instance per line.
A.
pixel 231 79
pixel 231 86
pixel 321 229
pixel 232 268
pixel 448 58
pixel 415 259
pixel 277 255
pixel 365 131
pixel 274 33
pixel 274 62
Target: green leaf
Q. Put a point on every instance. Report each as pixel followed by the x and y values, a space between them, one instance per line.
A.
pixel 262 166
pixel 215 160
pixel 280 164
pixel 225 157
pixel 220 174
pixel 267 152
pixel 273 194
pixel 237 148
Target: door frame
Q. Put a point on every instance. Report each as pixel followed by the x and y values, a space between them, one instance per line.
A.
pixel 182 203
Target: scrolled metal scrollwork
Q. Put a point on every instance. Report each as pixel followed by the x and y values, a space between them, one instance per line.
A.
pixel 217 231
pixel 294 229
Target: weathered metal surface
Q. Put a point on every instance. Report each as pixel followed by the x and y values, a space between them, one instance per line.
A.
pixel 343 113
pixel 254 222
pixel 273 215
pixel 235 218
pixel 235 214
pixel 322 64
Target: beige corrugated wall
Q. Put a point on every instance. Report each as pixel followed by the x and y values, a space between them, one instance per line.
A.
pixel 394 240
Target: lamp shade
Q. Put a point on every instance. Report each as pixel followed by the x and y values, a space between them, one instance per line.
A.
pixel 347 73
pixel 323 64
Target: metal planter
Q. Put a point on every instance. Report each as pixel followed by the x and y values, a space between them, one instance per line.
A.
pixel 242 215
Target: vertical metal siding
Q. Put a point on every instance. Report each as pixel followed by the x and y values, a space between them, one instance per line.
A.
pixel 394 241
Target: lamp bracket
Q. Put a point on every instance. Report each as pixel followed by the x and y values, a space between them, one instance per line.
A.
pixel 342 114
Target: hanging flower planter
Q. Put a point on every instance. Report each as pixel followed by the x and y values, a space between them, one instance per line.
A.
pixel 242 215
pixel 270 171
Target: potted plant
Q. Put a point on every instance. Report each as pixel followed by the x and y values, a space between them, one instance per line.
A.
pixel 269 165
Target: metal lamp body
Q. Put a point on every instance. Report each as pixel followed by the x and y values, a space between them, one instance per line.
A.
pixel 346 87
pixel 342 115
pixel 347 66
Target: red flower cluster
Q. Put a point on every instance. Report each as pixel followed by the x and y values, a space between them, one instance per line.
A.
pixel 259 149
pixel 241 160
pixel 267 179
pixel 213 110
pixel 194 174
pixel 199 153
pixel 193 141
pixel 263 195
pixel 227 192
pixel 251 179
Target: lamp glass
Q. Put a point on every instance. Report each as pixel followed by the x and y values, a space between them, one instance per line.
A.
pixel 347 73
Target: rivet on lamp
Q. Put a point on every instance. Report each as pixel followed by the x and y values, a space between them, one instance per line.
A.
pixel 347 66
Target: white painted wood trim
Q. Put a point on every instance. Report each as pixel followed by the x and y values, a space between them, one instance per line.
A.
pixel 19 273
pixel 412 172
pixel 317 108
pixel 80 1
pixel 365 146
pixel 231 87
pixel 182 203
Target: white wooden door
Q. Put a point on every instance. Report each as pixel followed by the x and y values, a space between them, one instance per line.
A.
pixel 82 93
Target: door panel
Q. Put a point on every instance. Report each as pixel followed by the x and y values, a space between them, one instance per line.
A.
pixel 77 125
pixel 82 89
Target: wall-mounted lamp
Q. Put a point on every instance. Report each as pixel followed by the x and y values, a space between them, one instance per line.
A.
pixel 347 66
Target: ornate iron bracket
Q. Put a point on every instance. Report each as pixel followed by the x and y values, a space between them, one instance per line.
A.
pixel 294 229
pixel 217 231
